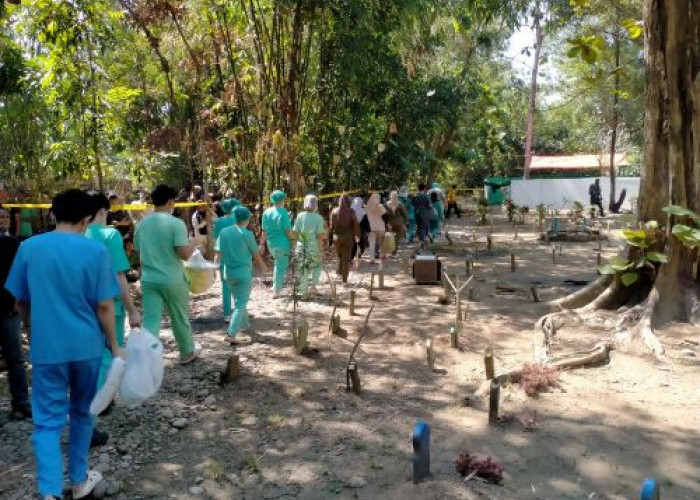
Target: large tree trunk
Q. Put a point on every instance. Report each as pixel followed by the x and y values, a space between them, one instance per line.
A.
pixel 670 175
pixel 532 107
pixel 613 206
pixel 671 172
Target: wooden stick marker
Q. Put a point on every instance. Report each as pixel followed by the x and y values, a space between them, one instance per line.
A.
pixel 352 302
pixel 488 363
pixel 494 398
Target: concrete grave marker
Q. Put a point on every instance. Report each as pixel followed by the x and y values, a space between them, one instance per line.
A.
pixel 421 451
pixel 650 490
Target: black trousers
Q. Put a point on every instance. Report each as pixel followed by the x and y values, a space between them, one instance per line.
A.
pixel 599 204
pixel 455 207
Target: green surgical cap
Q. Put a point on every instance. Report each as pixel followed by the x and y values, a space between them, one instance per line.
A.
pixel 241 214
pixel 277 197
pixel 229 204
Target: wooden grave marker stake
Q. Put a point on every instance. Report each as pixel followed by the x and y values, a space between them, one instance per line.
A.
pixel 429 354
pixel 488 363
pixel 458 288
pixel 454 337
pixel 353 293
pixel 300 334
pixel 232 371
pixel 494 399
pixel 352 374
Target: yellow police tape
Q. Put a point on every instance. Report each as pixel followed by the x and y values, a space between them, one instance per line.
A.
pixel 184 204
pixel 116 207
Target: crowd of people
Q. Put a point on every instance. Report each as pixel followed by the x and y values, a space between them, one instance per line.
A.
pixel 66 277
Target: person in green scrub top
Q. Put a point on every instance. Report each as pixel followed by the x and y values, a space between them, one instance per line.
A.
pixel 439 205
pixel 112 240
pixel 277 232
pixel 220 224
pixel 27 217
pixel 123 305
pixel 162 243
pixel 309 232
pixel 238 249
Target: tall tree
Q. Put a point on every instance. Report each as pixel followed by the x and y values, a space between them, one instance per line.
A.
pixel 665 286
pixel 671 173
pixel 537 16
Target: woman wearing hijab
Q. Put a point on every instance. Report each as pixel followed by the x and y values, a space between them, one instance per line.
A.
pixel 361 217
pixel 238 250
pixel 397 218
pixel 375 212
pixel 438 204
pixel 410 214
pixel 346 233
pixel 227 220
pixel 309 231
pixel 277 231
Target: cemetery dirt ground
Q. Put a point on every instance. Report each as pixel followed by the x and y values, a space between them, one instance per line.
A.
pixel 288 429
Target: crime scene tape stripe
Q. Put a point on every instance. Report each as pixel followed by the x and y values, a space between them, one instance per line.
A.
pixel 184 204
pixel 116 207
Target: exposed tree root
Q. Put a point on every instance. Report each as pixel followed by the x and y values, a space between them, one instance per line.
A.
pixel 582 297
pixel 643 329
pixel 550 324
pixel 692 304
pixel 600 354
pixel 628 323
pixel 608 298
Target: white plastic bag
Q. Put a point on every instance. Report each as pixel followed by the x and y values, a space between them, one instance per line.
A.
pixel 112 382
pixel 200 273
pixel 144 367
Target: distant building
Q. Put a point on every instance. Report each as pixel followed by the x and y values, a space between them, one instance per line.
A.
pixel 575 165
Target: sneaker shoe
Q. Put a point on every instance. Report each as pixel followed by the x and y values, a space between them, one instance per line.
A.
pixel 84 490
pixel 99 438
pixel 240 338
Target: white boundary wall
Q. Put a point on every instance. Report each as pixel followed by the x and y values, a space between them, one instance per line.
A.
pixel 560 193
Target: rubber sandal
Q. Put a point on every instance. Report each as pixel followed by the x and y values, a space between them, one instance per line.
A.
pixel 85 489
